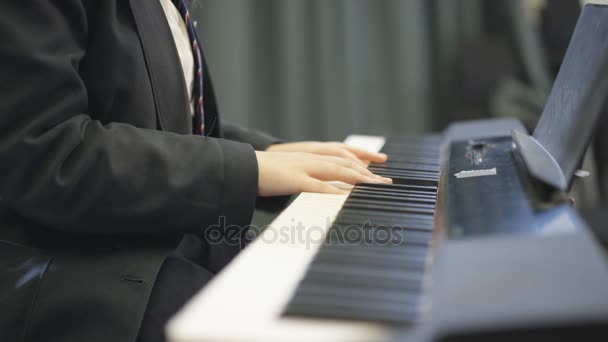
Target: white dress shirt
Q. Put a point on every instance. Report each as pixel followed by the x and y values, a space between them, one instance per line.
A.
pixel 184 47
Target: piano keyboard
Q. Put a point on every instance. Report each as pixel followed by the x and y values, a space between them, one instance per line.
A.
pixel 412 160
pixel 372 265
pixel 305 279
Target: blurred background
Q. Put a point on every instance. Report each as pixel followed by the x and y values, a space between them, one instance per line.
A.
pixel 323 69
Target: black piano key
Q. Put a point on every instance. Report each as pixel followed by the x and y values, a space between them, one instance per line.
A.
pixel 416 162
pixel 385 222
pixel 354 271
pixel 409 181
pixel 392 204
pixel 387 296
pixel 387 219
pixel 352 309
pixel 404 166
pixel 431 177
pixel 431 199
pixel 414 175
pixel 415 209
pixel 393 192
pixel 414 252
pixel 336 256
pixel 375 214
pixel 392 168
pixel 331 275
pixel 405 172
pixel 390 198
pixel 398 187
pixel 345 233
pixel 394 196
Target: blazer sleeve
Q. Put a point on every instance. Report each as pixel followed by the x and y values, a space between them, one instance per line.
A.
pixel 259 140
pixel 63 169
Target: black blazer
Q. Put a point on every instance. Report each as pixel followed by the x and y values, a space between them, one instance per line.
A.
pixel 99 175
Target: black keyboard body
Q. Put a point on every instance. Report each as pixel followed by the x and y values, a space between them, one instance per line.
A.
pixel 463 245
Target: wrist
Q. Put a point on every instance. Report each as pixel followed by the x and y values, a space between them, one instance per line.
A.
pixel 272 148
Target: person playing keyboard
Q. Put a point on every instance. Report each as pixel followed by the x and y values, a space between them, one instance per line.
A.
pixel 113 164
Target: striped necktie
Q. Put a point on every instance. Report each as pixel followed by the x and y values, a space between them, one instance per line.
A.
pixel 198 120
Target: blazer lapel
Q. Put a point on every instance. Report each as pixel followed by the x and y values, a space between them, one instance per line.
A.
pixel 164 67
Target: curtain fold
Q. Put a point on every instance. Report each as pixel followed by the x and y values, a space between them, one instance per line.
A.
pixel 316 69
pixel 322 69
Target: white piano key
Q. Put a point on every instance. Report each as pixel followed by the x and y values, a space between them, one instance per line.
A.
pixel 367 142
